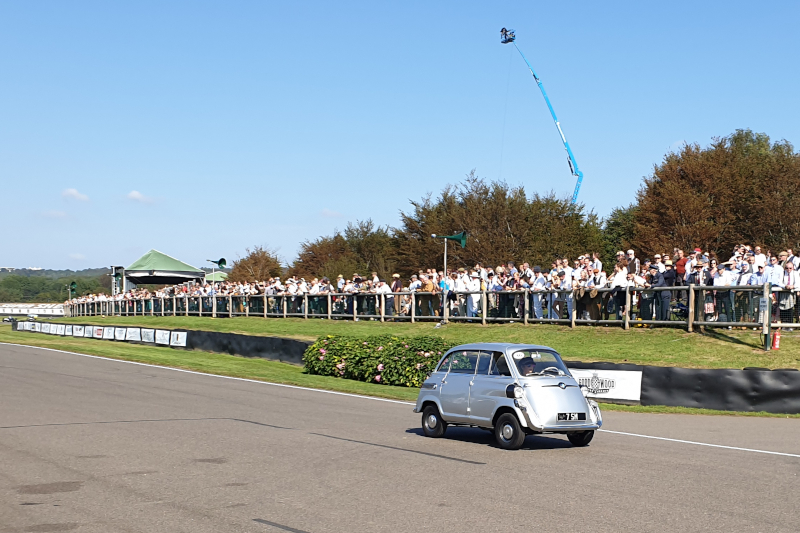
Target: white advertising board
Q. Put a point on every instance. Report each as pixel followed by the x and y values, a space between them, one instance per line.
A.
pixel 178 338
pixel 88 331
pixel 68 330
pixel 162 337
pixel 610 384
pixel 119 334
pixel 45 328
pixel 98 332
pixel 21 326
pixel 77 331
pixel 148 335
pixel 133 334
pixel 108 334
pixel 37 327
pixel 61 329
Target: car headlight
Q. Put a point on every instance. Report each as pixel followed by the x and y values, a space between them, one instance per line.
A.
pixel 515 391
pixel 585 391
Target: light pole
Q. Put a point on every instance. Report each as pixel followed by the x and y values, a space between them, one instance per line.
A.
pixel 460 238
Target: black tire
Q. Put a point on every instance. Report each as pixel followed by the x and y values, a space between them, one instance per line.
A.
pixel 432 423
pixel 508 433
pixel 581 438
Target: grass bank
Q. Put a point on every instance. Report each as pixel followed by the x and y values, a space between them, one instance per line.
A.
pixel 660 346
pixel 269 371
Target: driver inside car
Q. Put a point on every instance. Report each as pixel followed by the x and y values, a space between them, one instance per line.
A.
pixel 527 366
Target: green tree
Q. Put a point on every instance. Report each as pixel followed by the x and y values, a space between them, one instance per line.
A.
pixel 259 264
pixel 740 189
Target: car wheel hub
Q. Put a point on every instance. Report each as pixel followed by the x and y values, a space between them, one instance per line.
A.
pixel 507 432
pixel 432 421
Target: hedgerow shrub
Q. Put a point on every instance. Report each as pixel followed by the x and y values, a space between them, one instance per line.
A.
pixel 386 359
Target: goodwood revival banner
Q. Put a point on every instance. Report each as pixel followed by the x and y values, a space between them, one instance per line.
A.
pixel 611 384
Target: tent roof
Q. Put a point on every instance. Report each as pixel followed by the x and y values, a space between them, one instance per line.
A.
pixel 217 276
pixel 155 260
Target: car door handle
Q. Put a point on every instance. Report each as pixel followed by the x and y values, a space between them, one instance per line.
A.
pixel 443 382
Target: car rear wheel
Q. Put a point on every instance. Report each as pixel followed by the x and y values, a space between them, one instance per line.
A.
pixel 432 423
pixel 581 438
pixel 508 432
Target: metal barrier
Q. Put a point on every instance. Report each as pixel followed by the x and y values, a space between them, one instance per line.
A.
pixel 689 307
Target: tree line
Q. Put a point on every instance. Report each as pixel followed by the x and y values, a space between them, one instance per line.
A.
pixel 742 188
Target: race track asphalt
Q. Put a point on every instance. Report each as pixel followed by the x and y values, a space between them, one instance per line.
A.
pixel 96 445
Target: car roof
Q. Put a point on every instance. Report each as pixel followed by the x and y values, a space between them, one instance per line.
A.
pixel 501 346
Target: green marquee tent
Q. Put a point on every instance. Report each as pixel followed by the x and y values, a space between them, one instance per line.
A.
pixel 156 268
pixel 216 276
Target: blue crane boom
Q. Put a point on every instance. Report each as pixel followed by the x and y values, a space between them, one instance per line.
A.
pixel 508 37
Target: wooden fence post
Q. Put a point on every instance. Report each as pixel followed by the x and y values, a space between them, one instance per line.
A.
pixel 691 304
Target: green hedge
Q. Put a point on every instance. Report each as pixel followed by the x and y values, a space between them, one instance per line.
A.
pixel 386 359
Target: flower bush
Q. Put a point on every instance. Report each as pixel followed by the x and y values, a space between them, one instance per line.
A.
pixel 385 359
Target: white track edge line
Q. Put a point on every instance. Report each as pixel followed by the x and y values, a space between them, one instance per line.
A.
pixel 213 375
pixel 375 398
pixel 699 443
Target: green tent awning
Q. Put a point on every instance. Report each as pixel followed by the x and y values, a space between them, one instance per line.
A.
pixel 216 276
pixel 157 268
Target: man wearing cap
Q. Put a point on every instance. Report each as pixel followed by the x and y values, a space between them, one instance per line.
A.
pixel 657 262
pixel 634 266
pixel 397 286
pixel 662 299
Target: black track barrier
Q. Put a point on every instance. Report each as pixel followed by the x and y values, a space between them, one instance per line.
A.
pixel 272 348
pixel 773 391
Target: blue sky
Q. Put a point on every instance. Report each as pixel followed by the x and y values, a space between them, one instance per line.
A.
pixel 203 128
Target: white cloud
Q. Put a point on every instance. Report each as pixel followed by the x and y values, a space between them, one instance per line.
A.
pixel 77 256
pixel 75 195
pixel 55 214
pixel 329 213
pixel 136 196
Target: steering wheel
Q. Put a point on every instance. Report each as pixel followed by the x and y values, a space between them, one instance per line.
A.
pixel 549 368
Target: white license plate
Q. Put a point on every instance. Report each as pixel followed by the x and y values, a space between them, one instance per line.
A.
pixel 568 417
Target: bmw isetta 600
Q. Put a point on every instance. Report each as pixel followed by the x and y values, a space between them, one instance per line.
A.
pixel 514 390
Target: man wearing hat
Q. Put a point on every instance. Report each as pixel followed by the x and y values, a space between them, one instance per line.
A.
pixel 397 286
pixel 662 298
pixel 474 298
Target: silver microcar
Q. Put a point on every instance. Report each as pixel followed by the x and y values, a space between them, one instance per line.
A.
pixel 513 389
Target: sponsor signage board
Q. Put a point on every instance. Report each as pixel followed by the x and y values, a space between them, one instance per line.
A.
pixel 98 332
pixel 119 334
pixel 37 327
pixel 88 331
pixel 610 384
pixel 45 328
pixel 61 329
pixel 178 338
pixel 68 330
pixel 162 337
pixel 21 326
pixel 148 335
pixel 133 334
pixel 108 334
pixel 77 331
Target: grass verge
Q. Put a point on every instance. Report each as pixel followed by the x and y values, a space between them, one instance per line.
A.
pixel 659 346
pixel 274 372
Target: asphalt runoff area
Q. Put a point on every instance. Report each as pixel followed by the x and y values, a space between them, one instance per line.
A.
pixel 95 445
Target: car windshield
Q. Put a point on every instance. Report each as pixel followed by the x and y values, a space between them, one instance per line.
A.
pixel 538 362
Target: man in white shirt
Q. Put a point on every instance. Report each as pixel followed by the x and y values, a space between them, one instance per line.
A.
pixel 761 259
pixel 658 264
pixel 538 284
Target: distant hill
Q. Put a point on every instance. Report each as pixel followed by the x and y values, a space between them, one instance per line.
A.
pixel 54 274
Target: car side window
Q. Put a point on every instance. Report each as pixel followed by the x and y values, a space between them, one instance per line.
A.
pixel 445 365
pixel 499 365
pixel 484 364
pixel 464 362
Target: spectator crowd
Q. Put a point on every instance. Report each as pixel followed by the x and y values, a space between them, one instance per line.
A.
pixel 514 290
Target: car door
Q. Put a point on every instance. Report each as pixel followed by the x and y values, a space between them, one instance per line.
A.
pixel 455 387
pixel 489 387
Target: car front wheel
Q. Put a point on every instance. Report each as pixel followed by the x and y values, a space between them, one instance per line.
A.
pixel 432 423
pixel 508 432
pixel 581 438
